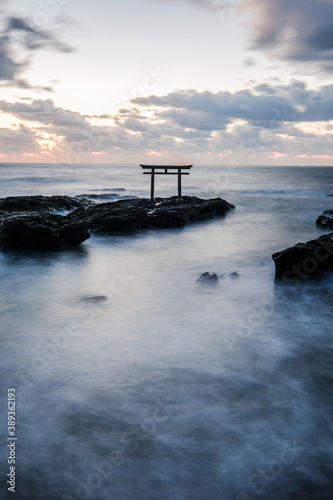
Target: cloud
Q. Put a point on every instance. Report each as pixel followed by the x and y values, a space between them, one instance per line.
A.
pixel 289 30
pixel 272 121
pixel 208 111
pixel 201 3
pixel 19 141
pixel 8 68
pixel 264 106
pixel 297 30
pixel 34 38
pixel 19 39
pixel 45 112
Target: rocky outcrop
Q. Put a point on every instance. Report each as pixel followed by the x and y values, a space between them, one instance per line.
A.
pixel 41 203
pixel 131 215
pixel 40 231
pixel 27 222
pixel 304 260
pixel 325 220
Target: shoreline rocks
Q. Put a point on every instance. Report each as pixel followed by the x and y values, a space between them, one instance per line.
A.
pixel 39 203
pixel 142 213
pixel 29 222
pixel 40 231
pixel 325 220
pixel 304 260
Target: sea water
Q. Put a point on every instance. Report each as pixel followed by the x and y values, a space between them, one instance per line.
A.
pixel 167 388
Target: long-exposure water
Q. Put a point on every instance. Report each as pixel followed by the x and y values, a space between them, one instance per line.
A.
pixel 171 389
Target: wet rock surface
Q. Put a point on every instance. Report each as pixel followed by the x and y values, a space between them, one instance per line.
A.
pixel 142 213
pixel 29 222
pixel 208 277
pixel 234 275
pixel 304 260
pixel 41 203
pixel 325 220
pixel 40 231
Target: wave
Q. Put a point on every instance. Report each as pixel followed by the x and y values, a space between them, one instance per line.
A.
pixel 110 190
pixel 106 196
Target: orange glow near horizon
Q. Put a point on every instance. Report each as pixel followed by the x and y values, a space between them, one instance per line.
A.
pixel 323 157
pixel 316 128
pixel 48 142
pixel 276 154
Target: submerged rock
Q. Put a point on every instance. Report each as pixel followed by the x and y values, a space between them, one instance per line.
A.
pixel 325 220
pixel 234 275
pixel 208 277
pixel 304 260
pixel 94 299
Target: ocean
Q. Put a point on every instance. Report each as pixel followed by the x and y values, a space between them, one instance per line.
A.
pixel 169 388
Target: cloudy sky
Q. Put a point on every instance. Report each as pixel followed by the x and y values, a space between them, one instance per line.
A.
pixel 199 81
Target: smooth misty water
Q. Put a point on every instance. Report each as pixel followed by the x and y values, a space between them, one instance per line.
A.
pixel 171 389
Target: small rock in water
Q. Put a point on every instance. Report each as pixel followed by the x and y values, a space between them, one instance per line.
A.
pixel 208 277
pixel 96 298
pixel 222 276
pixel 234 275
pixel 325 220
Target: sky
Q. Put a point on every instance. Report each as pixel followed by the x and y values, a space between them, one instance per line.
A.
pixel 208 82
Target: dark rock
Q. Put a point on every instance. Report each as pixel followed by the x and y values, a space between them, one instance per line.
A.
pixel 325 220
pixel 234 275
pixel 73 234
pixel 142 213
pixel 40 231
pixel 41 203
pixel 95 299
pixel 304 260
pixel 208 277
pixel 27 221
pixel 329 195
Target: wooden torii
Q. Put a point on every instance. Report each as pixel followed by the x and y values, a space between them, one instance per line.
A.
pixel 164 170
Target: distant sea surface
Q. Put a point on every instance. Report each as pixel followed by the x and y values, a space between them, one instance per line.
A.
pixel 166 388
